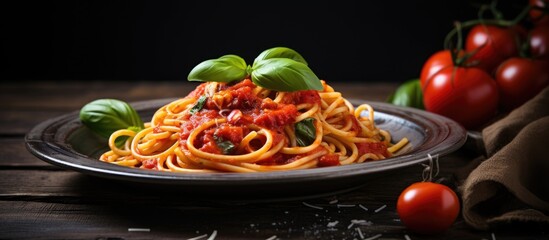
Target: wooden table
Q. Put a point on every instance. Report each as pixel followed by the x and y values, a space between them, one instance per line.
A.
pixel 42 201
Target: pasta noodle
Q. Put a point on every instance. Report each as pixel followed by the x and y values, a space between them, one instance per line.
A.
pixel 241 127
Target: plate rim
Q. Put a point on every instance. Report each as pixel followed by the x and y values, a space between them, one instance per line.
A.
pixel 455 136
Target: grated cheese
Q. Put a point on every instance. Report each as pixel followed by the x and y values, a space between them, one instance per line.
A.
pixel 312 206
pixel 332 224
pixel 373 237
pixel 407 237
pixel 359 222
pixel 363 207
pixel 493 236
pixel 360 233
pixel 345 205
pixel 271 238
pixel 139 229
pixel 198 237
pixel 214 234
pixel 380 208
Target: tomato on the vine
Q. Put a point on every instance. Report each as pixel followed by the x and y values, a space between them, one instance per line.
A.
pixel 467 95
pixel 520 79
pixel 435 63
pixel 492 44
pixel 428 207
pixel 537 16
pixel 539 42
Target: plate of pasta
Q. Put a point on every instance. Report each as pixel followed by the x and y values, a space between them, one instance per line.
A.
pixel 271 162
pixel 271 129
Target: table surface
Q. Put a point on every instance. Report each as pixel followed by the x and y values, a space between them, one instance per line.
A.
pixel 42 201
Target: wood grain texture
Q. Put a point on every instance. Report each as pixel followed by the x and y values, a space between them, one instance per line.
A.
pixel 42 201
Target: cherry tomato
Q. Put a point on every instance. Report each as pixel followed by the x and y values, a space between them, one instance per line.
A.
pixel 492 45
pixel 434 63
pixel 428 207
pixel 467 95
pixel 539 42
pixel 537 16
pixel 520 79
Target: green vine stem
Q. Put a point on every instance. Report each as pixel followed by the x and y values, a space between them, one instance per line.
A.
pixel 497 21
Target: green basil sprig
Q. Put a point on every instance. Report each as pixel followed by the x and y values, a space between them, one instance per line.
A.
pixel 305 132
pixel 227 147
pixel 409 94
pixel 199 104
pixel 105 116
pixel 227 68
pixel 280 52
pixel 278 68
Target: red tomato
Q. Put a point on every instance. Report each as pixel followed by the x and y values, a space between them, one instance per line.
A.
pixel 492 45
pixel 537 16
pixel 434 63
pixel 428 207
pixel 539 42
pixel 520 79
pixel 467 95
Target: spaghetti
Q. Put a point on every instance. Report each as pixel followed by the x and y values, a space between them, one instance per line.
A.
pixel 241 127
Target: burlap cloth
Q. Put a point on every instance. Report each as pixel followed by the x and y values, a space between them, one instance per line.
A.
pixel 511 183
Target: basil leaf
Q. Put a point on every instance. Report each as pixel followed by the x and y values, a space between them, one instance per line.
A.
pixel 284 74
pixel 409 94
pixel 280 52
pixel 305 132
pixel 105 116
pixel 227 68
pixel 226 147
pixel 199 104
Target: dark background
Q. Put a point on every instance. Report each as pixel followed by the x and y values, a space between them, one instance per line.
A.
pixel 342 40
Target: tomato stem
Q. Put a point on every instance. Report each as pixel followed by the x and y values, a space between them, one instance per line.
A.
pixel 493 9
pixel 496 21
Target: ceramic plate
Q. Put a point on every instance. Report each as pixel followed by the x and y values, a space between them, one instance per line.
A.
pixel 65 142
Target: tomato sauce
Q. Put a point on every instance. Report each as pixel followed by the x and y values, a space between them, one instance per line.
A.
pixel 149 164
pixel 373 147
pixel 328 160
pixel 242 108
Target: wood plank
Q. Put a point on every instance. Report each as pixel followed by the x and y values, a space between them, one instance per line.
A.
pixel 366 91
pixel 25 105
pixel 286 220
pixel 14 154
pixel 17 122
pixel 31 182
pixel 54 95
pixel 42 204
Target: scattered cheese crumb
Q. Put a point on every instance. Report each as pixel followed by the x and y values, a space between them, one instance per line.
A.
pixel 360 233
pixel 271 238
pixel 334 201
pixel 363 207
pixel 312 206
pixel 345 205
pixel 139 229
pixel 332 224
pixel 373 237
pixel 380 208
pixel 198 237
pixel 407 237
pixel 360 222
pixel 214 234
